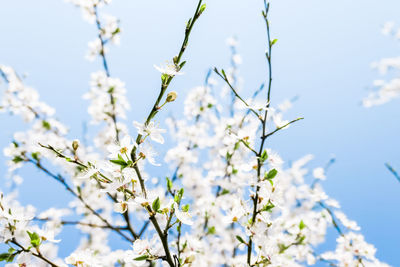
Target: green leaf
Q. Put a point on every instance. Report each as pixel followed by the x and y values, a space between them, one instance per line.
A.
pixel 224 192
pixel 271 174
pixel 268 207
pixel 35 239
pixel 237 144
pixel 223 73
pixel 282 248
pixel 169 184
pixel 202 8
pixel 211 230
pixel 111 90
pixel 17 159
pixel 164 78
pixel 240 239
pixel 274 41
pixel 182 64
pixel 120 161
pixel 156 204
pixel 117 30
pixel 302 225
pixel 8 257
pixel 264 156
pixel 185 208
pixel 179 195
pixel 141 258
pixel 4 256
pixel 301 239
pixel 35 156
pixel 46 125
pixel 11 257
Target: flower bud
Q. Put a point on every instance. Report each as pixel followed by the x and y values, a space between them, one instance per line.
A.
pixel 75 144
pixel 172 96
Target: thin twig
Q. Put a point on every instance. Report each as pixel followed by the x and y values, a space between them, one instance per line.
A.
pixel 106 69
pixel 393 171
pixel 37 255
pixel 61 180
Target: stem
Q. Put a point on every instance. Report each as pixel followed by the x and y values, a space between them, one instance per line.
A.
pixel 164 240
pixel 264 122
pixel 153 112
pixel 164 85
pixel 61 180
pixel 393 171
pixel 37 255
pixel 106 69
pixel 280 128
pixel 223 76
pixel 80 223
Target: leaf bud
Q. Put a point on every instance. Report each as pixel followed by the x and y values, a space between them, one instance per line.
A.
pixel 172 96
pixel 75 144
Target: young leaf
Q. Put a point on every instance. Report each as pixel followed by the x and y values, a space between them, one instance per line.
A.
pixel 35 239
pixel 211 230
pixel 46 125
pixel 141 258
pixel 240 239
pixel 271 174
pixel 156 204
pixel 301 225
pixel 17 159
pixel 185 208
pixel 35 156
pixel 224 192
pixel 202 8
pixel 4 256
pixel 169 184
pixel 268 207
pixel 264 156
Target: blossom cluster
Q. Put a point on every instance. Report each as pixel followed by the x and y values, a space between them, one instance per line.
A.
pixel 227 199
pixel 386 90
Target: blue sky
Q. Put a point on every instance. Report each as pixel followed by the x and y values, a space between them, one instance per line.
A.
pixel 323 55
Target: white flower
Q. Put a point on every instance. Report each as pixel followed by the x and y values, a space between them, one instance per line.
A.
pixel 141 247
pixel 169 68
pixel 120 207
pixel 87 174
pixel 232 41
pixel 17 214
pixel 151 130
pixel 319 173
pixel 112 187
pixel 149 154
pixel 237 59
pixel 48 235
pixel 24 258
pixel 124 148
pixel 183 216
pixel 84 258
pixel 95 48
pixel 352 225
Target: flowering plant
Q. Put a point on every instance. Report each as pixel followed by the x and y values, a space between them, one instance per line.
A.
pixel 229 200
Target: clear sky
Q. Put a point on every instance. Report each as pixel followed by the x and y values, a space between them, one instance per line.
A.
pixel 323 55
